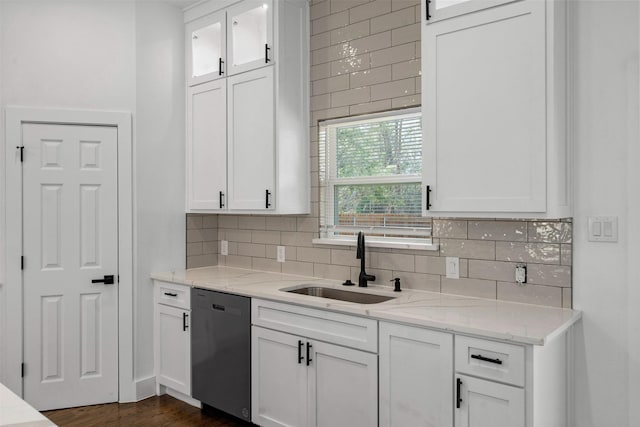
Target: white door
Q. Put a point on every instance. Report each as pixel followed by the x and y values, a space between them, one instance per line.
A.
pixel 488 404
pixel 206 48
pixel 251 129
pixel 278 379
pixel 416 368
pixel 207 146
pixel 343 386
pixel 484 111
pixel 250 27
pixel 70 238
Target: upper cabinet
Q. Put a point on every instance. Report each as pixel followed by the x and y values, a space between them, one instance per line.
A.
pixel 206 48
pixel 494 110
pixel 250 35
pixel 247 113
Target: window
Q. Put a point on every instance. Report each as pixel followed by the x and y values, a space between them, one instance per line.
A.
pixel 370 178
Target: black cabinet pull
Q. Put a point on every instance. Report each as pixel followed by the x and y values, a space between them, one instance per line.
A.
pixel 308 352
pixel 458 396
pixel 428 197
pixel 184 321
pixel 486 359
pixel 426 3
pixel 267 193
pixel 107 280
pixel 171 294
pixel 300 358
pixel 220 62
pixel 266 53
pixel 221 202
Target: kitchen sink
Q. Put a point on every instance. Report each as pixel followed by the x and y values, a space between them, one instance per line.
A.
pixel 339 294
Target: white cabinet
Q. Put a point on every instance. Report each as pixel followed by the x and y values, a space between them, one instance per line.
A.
pixel 416 367
pixel 206 158
pixel 299 380
pixel 206 48
pixel 494 112
pixel 484 403
pixel 436 10
pixel 255 146
pixel 250 26
pixel 172 337
pixel 251 140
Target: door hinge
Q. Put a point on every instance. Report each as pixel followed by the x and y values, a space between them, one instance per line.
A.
pixel 21 148
pixel 22 262
pixel 22 370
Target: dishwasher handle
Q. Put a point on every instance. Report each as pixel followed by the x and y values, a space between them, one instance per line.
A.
pixel 218 307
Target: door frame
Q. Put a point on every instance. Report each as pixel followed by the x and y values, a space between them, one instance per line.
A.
pixel 11 348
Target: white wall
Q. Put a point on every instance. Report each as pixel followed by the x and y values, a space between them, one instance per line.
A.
pixel 123 56
pixel 604 80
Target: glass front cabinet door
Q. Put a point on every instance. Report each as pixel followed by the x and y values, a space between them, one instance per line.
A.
pixel 250 29
pixel 437 10
pixel 206 48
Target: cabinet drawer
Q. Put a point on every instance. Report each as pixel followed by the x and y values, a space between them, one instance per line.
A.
pixel 336 328
pixel 490 359
pixel 173 294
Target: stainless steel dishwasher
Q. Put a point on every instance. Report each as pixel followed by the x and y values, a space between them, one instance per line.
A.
pixel 221 351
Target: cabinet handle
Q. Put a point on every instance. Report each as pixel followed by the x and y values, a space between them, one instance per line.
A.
pixel 458 396
pixel 184 321
pixel 426 3
pixel 171 294
pixel 308 352
pixel 220 62
pixel 428 197
pixel 267 193
pixel 266 53
pixel 221 201
pixel 300 358
pixel 486 359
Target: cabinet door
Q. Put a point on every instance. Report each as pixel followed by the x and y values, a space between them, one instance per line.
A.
pixel 173 348
pixel 416 367
pixel 343 386
pixel 250 26
pixel 488 404
pixel 251 140
pixel 278 379
pixel 484 111
pixel 207 146
pixel 206 48
pixel 444 9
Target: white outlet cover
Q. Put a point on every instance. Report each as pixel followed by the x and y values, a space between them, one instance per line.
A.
pixel 453 267
pixel 281 253
pixel 224 247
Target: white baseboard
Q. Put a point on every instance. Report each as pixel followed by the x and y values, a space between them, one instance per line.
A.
pixel 145 388
pixel 187 399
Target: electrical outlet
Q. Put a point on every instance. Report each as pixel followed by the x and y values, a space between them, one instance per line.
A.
pixel 224 247
pixel 521 274
pixel 453 267
pixel 281 253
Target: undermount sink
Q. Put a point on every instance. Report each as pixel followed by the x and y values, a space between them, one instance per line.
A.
pixel 339 294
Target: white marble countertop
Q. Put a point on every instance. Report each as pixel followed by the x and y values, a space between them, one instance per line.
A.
pixel 18 413
pixel 521 323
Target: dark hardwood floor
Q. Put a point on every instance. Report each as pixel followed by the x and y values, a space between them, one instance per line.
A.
pixel 155 411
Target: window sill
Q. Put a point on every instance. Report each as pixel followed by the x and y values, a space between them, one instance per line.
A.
pixel 372 243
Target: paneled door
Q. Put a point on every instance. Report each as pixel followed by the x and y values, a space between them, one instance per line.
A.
pixel 70 246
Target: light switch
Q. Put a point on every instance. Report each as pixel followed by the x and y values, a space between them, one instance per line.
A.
pixel 453 267
pixel 281 253
pixel 603 228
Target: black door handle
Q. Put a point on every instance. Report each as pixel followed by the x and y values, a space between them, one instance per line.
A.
pixel 458 396
pixel 108 280
pixel 220 62
pixel 171 294
pixel 428 194
pixel 300 358
pixel 426 3
pixel 184 321
pixel 267 202
pixel 221 201
pixel 308 352
pixel 266 53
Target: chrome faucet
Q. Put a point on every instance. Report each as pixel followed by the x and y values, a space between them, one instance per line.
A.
pixel 364 277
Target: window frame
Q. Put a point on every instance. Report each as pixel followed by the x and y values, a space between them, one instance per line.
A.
pixel 421 236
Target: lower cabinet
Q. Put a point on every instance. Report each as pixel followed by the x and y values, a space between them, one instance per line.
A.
pixel 172 337
pixel 416 371
pixel 303 382
pixel 482 403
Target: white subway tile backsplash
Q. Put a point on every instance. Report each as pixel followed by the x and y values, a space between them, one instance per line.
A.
pixel 350 32
pixel 369 10
pixel 512 231
pixel 400 18
pixel 394 89
pixel 393 55
pixel 371 77
pixel 543 253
